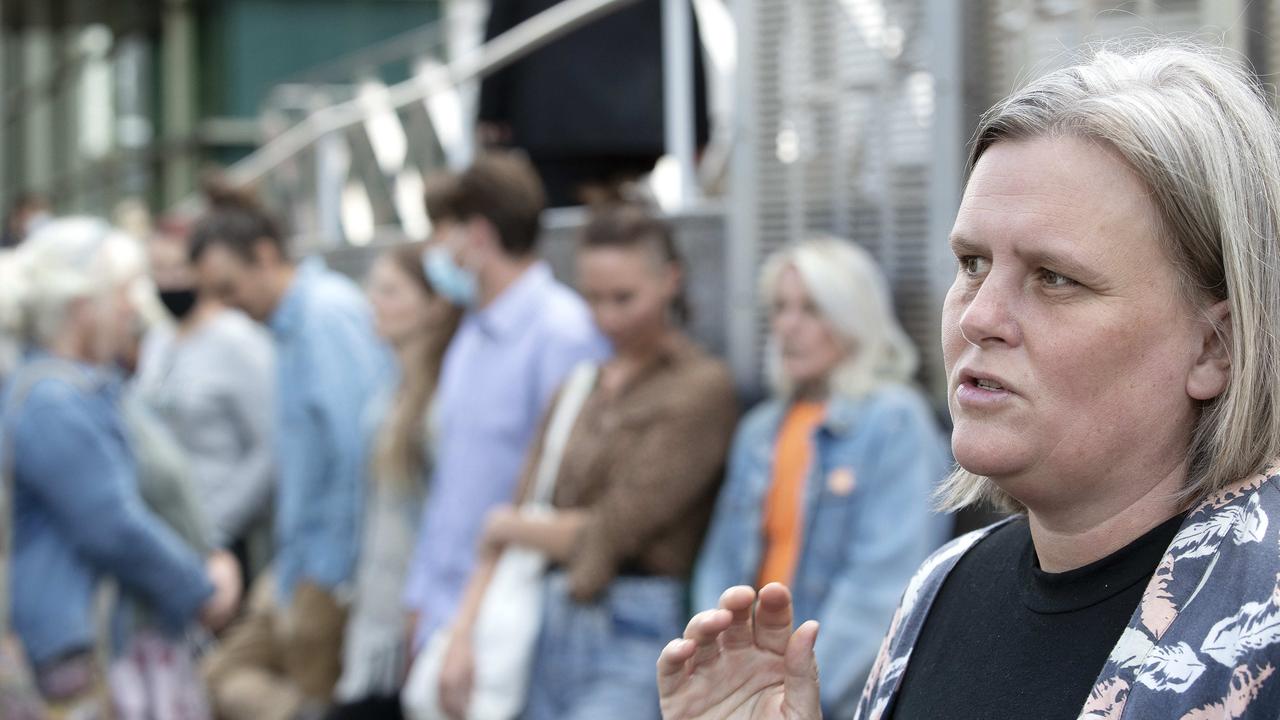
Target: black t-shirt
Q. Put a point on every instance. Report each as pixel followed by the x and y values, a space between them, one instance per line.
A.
pixel 1004 639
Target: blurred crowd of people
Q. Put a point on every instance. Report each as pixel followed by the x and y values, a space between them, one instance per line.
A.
pixel 244 487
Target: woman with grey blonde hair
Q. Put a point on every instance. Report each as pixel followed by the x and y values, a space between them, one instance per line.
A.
pixel 76 515
pixel 829 480
pixel 1111 347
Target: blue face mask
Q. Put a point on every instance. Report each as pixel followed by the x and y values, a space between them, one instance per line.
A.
pixel 454 283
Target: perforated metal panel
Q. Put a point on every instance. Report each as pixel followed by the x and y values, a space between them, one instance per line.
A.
pixel 842 129
pixel 1032 37
pixel 839 142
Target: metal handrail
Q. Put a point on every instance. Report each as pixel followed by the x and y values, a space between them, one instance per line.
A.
pixel 510 46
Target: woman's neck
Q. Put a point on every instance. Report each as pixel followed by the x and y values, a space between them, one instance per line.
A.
pixel 411 352
pixel 630 360
pixel 71 346
pixel 812 391
pixel 1069 537
pixel 203 312
pixel 645 349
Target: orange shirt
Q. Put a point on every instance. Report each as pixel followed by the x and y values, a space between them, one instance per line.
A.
pixel 784 508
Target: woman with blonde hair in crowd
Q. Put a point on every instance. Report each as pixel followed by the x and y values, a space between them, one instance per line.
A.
pixel 829 480
pixel 1112 344
pixel 632 495
pixel 78 516
pixel 417 323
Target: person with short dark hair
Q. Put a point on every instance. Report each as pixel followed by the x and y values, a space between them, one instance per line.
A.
pixel 285 657
pixel 522 334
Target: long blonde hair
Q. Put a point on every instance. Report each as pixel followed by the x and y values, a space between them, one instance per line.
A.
pixel 852 294
pixel 1203 139
pixel 400 455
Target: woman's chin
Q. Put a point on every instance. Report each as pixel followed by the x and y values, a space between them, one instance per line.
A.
pixel 987 458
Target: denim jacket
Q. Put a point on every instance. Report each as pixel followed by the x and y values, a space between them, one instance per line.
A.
pixel 867 523
pixel 1203 643
pixel 78 517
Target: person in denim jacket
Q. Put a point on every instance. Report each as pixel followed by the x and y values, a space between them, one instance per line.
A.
pixel 78 515
pixel 829 480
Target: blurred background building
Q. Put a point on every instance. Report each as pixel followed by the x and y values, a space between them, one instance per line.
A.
pixel 844 117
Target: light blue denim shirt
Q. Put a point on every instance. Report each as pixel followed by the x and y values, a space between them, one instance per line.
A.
pixel 502 368
pixel 867 524
pixel 78 517
pixel 329 364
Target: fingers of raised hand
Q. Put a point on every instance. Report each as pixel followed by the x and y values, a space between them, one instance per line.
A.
pixel 772 622
pixel 704 630
pixel 698 644
pixel 738 601
pixel 671 665
pixel 801 667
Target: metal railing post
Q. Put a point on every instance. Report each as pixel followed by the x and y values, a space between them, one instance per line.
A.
pixel 679 101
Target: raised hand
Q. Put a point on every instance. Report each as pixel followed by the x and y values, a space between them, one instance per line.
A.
pixel 732 666
pixel 223 571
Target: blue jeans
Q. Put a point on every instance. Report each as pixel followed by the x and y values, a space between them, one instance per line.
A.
pixel 598 660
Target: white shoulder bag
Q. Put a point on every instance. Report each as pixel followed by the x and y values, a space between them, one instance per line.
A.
pixel 510 616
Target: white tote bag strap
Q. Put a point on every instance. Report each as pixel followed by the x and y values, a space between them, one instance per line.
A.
pixel 576 390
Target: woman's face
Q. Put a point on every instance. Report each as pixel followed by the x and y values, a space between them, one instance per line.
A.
pixel 401 308
pixel 171 269
pixel 1070 353
pixel 810 348
pixel 104 323
pixel 629 290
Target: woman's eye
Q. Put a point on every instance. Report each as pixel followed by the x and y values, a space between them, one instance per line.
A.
pixel 1055 280
pixel 974 265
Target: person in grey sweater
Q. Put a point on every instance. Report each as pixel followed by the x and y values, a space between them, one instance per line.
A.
pixel 210 377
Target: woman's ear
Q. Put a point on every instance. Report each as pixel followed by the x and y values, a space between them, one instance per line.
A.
pixel 1211 372
pixel 674 279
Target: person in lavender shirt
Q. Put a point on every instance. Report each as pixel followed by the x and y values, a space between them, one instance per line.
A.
pixel 522 334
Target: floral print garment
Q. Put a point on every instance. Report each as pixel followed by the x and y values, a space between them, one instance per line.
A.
pixel 1204 643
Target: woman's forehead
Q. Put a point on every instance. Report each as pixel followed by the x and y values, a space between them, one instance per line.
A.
pixel 1054 194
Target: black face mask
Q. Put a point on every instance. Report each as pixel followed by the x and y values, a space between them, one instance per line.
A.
pixel 179 302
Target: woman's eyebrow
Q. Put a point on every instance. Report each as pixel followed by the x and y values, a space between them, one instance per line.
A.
pixel 1059 262
pixel 1056 261
pixel 963 246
